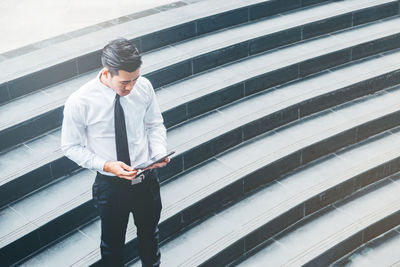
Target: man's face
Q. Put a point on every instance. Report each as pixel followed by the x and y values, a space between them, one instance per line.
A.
pixel 123 82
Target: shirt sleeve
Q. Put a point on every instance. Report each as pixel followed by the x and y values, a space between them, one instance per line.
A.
pixel 73 138
pixel 154 124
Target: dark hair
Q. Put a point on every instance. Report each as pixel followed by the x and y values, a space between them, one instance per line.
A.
pixel 120 54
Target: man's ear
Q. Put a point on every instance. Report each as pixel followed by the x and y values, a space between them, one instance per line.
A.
pixel 105 72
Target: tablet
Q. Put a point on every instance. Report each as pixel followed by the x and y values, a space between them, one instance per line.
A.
pixel 138 179
pixel 158 161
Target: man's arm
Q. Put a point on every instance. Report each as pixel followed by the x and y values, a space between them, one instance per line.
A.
pixel 154 124
pixel 73 138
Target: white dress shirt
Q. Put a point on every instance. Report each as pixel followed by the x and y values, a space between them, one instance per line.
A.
pixel 88 135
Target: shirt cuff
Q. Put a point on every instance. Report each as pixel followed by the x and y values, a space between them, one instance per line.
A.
pixel 98 164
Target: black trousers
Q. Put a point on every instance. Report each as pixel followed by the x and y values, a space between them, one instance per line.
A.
pixel 115 198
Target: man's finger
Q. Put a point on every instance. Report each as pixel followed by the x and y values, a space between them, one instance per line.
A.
pixel 161 164
pixel 126 167
pixel 127 174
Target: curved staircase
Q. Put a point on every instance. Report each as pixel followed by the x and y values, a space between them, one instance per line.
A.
pixel 284 115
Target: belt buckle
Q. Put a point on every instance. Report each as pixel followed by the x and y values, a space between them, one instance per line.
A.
pixel 138 179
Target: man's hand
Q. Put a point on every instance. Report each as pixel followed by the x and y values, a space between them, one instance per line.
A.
pixel 120 169
pixel 159 165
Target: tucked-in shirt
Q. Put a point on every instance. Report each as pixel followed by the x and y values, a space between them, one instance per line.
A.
pixel 88 134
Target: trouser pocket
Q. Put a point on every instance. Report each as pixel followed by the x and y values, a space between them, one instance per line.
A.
pixel 100 191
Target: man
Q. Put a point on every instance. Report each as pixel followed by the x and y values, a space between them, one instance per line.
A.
pixel 112 124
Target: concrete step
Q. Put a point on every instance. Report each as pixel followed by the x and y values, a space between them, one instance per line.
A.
pixel 323 237
pixel 45 214
pixel 41 111
pixel 385 70
pixel 300 99
pixel 183 140
pixel 70 58
pixel 32 165
pixel 228 235
pixel 237 173
pixel 381 251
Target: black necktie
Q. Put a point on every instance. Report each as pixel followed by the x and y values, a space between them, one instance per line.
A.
pixel 121 139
